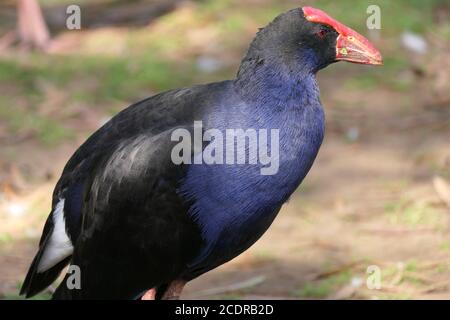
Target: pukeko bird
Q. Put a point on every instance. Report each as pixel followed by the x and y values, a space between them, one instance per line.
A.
pixel 139 223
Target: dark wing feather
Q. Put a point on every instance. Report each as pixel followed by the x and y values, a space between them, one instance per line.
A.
pixel 110 191
pixel 135 233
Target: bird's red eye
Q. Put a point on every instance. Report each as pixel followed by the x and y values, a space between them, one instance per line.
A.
pixel 321 33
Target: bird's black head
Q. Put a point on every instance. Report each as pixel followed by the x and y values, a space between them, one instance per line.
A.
pixel 307 40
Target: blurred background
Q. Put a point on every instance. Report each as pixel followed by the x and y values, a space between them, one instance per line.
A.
pixel 378 195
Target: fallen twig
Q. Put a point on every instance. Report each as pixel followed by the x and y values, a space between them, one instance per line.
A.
pixel 441 286
pixel 337 270
pixel 417 276
pixel 398 277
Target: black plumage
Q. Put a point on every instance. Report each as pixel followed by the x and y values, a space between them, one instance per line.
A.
pixel 132 220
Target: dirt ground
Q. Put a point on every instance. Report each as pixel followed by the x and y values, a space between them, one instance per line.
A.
pixel 375 199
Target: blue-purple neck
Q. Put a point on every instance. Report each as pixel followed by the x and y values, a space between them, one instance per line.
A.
pixel 267 82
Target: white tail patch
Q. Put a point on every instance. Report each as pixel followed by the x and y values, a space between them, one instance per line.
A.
pixel 59 245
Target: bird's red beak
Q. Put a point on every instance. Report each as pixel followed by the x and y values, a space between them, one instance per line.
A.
pixel 350 45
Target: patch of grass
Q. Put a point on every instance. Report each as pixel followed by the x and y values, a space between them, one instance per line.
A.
pixel 116 77
pixel 391 73
pixel 362 82
pixel 443 268
pixel 233 24
pixel 51 133
pixel 320 290
pixel 414 213
pixel 262 256
pixel 388 271
pixel 444 246
pixel 394 296
pixel 47 130
pixel 5 238
pixel 389 76
pixel 325 287
pixel 411 266
pixel 27 71
pixel 87 79
pixel 216 6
